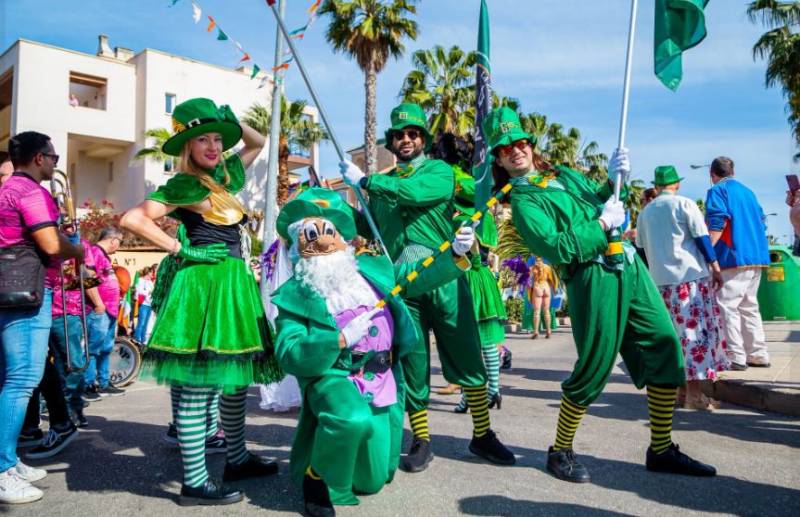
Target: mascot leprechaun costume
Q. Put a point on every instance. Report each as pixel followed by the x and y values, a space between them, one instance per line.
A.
pixel 413 207
pixel 346 353
pixel 614 307
pixel 211 335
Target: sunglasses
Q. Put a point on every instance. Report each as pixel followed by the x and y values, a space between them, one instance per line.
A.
pixel 412 134
pixel 506 149
pixel 53 157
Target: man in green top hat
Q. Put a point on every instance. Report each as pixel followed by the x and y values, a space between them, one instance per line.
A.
pixel 614 307
pixel 346 348
pixel 413 207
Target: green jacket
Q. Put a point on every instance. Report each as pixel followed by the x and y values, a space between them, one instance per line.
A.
pixel 412 208
pixel 307 343
pixel 562 225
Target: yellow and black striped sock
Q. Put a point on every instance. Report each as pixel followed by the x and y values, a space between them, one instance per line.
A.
pixel 569 418
pixel 478 402
pixel 661 406
pixel 313 475
pixel 419 424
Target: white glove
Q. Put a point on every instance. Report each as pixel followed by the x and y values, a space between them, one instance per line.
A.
pixel 613 214
pixel 351 173
pixel 619 163
pixel 358 327
pixel 464 240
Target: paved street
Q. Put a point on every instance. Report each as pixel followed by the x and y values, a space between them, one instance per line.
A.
pixel 121 466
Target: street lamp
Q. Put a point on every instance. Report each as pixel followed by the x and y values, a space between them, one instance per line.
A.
pixel 700 166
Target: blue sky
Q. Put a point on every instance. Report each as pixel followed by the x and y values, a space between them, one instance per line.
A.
pixel 563 58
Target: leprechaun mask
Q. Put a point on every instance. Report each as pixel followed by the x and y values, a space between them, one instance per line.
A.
pixel 317 237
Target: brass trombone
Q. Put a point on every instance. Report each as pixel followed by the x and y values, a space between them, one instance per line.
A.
pixel 62 193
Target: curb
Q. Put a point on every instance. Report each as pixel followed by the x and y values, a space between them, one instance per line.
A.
pixel 758 395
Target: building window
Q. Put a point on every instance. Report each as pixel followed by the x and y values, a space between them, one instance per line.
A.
pixel 169 102
pixel 87 91
pixel 168 165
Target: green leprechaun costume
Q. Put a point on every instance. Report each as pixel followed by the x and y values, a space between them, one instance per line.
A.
pixel 614 308
pixel 351 425
pixel 413 207
pixel 211 335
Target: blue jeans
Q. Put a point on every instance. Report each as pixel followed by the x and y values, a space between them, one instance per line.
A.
pixel 140 334
pixel 101 343
pixel 23 350
pixel 73 380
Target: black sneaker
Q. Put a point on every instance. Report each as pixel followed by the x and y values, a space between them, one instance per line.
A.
pixel 674 461
pixel 317 500
pixel 30 438
pixel 489 447
pixel 110 391
pixel 216 444
pixel 564 465
pixel 172 434
pixel 210 493
pixel 418 457
pixel 79 419
pixel 53 443
pixel 92 393
pixel 253 467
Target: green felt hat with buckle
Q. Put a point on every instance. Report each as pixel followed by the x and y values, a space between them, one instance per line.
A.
pixel 408 114
pixel 198 116
pixel 666 175
pixel 502 127
pixel 318 202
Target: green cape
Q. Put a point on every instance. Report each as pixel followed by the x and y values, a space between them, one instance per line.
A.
pixel 185 189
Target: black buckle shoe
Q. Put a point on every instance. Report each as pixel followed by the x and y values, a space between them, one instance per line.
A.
pixel 489 447
pixel 495 400
pixel 506 362
pixel 564 465
pixel 210 493
pixel 673 461
pixel 316 498
pixel 253 467
pixel 418 457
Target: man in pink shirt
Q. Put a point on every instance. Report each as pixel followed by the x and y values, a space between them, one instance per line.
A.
pixel 103 318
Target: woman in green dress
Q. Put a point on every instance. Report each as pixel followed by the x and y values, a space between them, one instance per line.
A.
pixel 211 335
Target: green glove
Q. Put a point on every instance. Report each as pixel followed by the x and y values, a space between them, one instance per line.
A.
pixel 210 254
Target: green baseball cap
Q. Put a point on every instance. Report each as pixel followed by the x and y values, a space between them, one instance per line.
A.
pixel 317 202
pixel 198 116
pixel 408 114
pixel 502 127
pixel 666 175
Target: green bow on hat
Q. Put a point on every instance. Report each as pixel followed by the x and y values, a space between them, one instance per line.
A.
pixel 502 127
pixel 199 116
pixel 666 175
pixel 317 202
pixel 408 114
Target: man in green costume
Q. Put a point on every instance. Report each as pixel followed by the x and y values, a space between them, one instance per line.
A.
pixel 343 346
pixel 413 207
pixel 614 307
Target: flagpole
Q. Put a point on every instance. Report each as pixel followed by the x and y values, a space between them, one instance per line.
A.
pixel 271 200
pixel 323 115
pixel 626 88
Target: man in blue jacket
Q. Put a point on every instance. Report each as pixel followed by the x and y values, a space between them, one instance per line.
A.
pixel 738 231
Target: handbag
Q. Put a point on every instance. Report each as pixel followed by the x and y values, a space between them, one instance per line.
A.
pixel 21 278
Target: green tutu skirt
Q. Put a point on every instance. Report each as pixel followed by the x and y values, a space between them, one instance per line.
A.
pixel 212 330
pixel 491 332
pixel 486 296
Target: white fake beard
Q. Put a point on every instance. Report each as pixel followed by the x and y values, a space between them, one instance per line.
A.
pixel 336 279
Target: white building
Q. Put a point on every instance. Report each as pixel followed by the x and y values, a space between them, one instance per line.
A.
pixel 96 109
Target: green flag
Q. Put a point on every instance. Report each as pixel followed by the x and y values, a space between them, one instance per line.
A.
pixel 481 161
pixel 680 25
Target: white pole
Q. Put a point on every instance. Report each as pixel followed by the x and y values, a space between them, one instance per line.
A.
pixel 271 201
pixel 623 122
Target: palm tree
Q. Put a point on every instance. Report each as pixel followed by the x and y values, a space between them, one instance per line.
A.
pixel 780 46
pixel 442 83
pixel 154 152
pixel 297 130
pixel 633 202
pixel 371 31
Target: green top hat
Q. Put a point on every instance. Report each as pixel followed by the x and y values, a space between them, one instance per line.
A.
pixel 666 175
pixel 408 114
pixel 502 127
pixel 198 116
pixel 318 202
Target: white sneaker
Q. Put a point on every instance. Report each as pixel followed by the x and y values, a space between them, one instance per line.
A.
pixel 15 490
pixel 28 473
